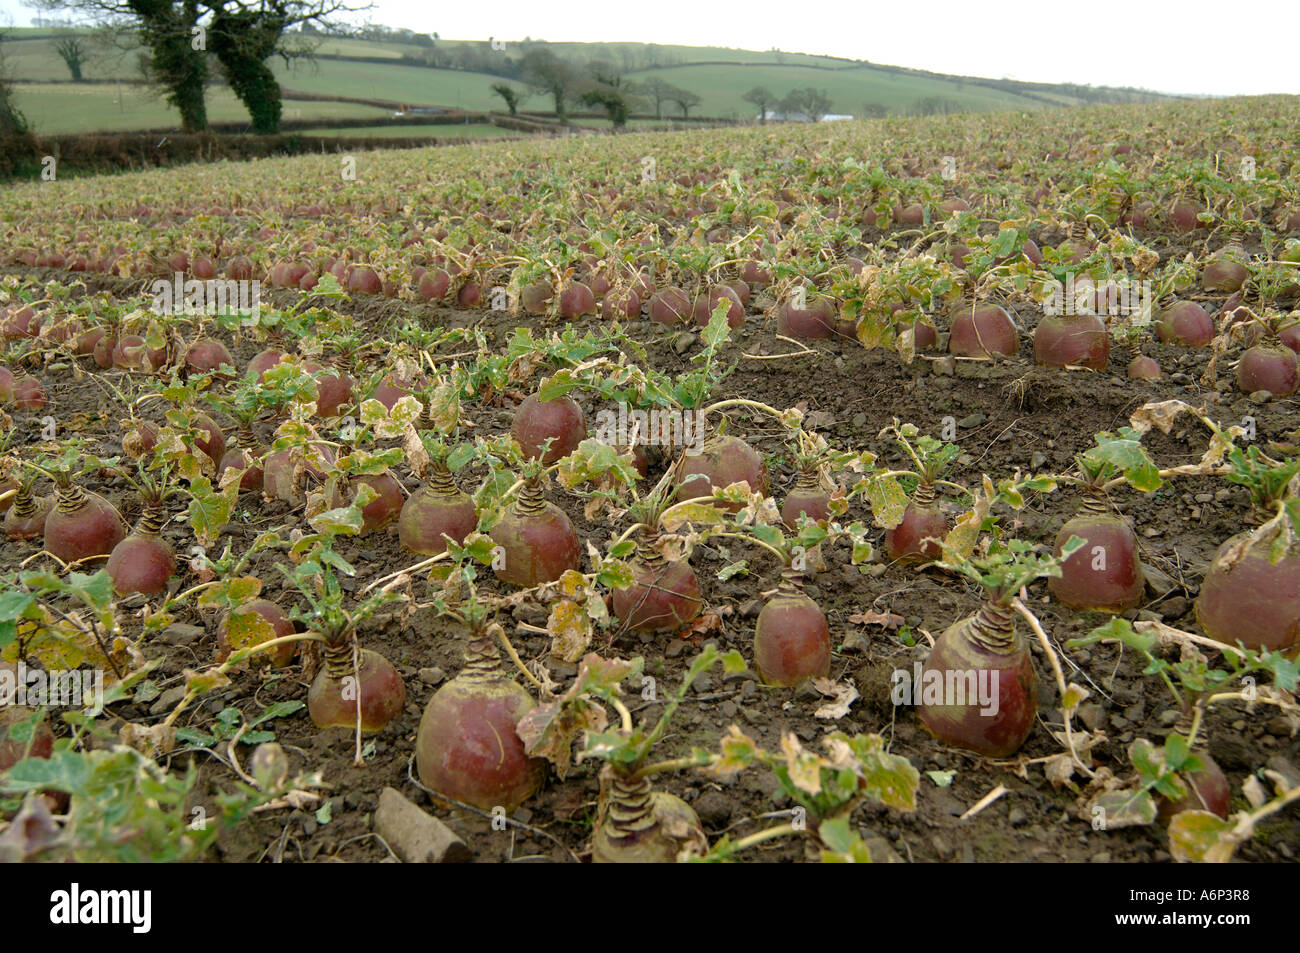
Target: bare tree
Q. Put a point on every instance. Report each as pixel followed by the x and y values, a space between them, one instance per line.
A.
pixel 603 72
pixel 657 90
pixel 685 101
pixel 761 97
pixel 75 52
pixel 549 74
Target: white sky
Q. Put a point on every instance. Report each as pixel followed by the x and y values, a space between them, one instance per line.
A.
pixel 1219 49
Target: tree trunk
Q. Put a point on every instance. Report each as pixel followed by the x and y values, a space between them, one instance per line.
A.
pixel 174 62
pixel 243 41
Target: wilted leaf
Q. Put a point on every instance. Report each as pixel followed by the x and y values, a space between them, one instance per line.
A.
pixel 891 778
pixel 738 753
pixel 803 767
pixel 887 619
pixel 344 520
pixel 726 572
pixel 1159 414
pixel 1201 837
pixel 570 629
pixel 1059 770
pixel 842 693
pixel 205 681
pixel 549 730
pixel 1075 695
pixel 592 461
pixel 704 514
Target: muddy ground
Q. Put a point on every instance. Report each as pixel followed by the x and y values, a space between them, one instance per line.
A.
pixel 1009 414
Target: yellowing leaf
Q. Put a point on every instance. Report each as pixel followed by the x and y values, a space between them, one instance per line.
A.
pixel 888 501
pixel 205 681
pixel 570 629
pixel 1201 837
pixel 246 629
pixel 804 767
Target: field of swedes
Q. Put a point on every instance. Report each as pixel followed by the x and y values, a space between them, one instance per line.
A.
pixel 916 491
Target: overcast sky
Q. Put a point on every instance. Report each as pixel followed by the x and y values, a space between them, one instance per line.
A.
pixel 1222 49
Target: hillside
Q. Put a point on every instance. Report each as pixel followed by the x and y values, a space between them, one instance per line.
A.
pixel 459 75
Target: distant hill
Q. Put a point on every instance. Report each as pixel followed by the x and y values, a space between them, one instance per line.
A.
pixel 404 67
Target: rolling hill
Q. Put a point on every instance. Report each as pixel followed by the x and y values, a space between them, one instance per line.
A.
pixel 395 69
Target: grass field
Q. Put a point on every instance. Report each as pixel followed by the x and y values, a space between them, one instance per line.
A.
pixel 406 84
pixel 29 56
pixel 622 53
pixel 55 109
pixel 721 88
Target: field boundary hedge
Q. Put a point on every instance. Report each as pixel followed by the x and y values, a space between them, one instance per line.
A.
pixel 21 157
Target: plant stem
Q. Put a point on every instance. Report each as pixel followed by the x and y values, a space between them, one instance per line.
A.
pixel 740 402
pixel 632 529
pixel 754 539
pixel 625 716
pixel 422 564
pixel 770 833
pixel 357 759
pixel 509 648
pixel 659 767
pixel 238 657
pixel 1046 643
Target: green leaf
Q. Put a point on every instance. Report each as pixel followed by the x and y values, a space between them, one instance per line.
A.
pixel 64 770
pixel 843 845
pixel 1120 630
pixel 1122 452
pixel 193 736
pixel 1112 810
pixel 14 604
pixel 770 535
pixel 718 330
pixel 210 509
pixel 558 385
pixel 733 663
pixel 342 521
pixel 593 460
pixel 331 558
pixel 328 286
pixel 941 779
pixel 740 568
